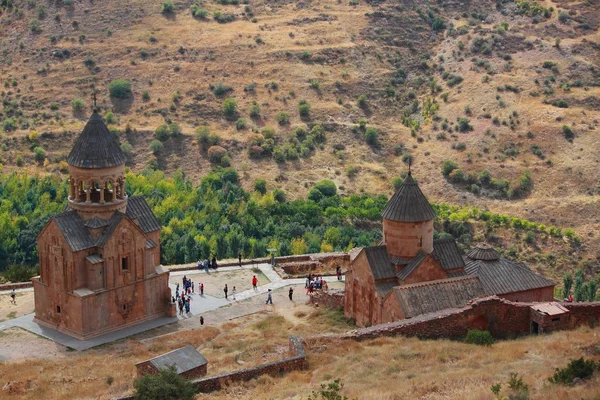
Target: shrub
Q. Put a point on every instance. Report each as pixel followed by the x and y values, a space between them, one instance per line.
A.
pixel 230 107
pixel 174 130
pixel 529 237
pixel 167 384
pixel 162 133
pixel 326 187
pixel 372 136
pixel 279 195
pixel 110 118
pixel 283 118
pixel 216 153
pixel 407 158
pixel 438 24
pixel 35 26
pixel 240 123
pixel 362 100
pixel 220 89
pixel 223 18
pixel 481 338
pixel 568 132
pixel 126 148
pixel 304 108
pixel 156 146
pixel 119 88
pixel 397 182
pixel 579 368
pixel 448 166
pixel 9 124
pixel 168 7
pixel 77 104
pixel 563 17
pixel 39 154
pixel 560 103
pixel 464 124
pixel 315 84
pixel 19 273
pixel 260 185
pixel 198 12
pixel 145 95
pixel 254 110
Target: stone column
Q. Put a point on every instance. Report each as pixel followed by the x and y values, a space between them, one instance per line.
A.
pixel 123 186
pixel 71 189
pixel 88 193
pixel 101 187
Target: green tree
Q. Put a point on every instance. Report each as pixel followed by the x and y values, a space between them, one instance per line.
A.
pixel 592 288
pixel 372 136
pixel 168 7
pixel 162 133
pixel 229 107
pixel 156 146
pixel 567 284
pixel 166 385
pixel 39 154
pixel 119 88
pixel 298 246
pixel 448 166
pixel 77 104
pixel 260 185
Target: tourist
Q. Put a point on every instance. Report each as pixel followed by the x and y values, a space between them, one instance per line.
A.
pixel 338 272
pixel 177 287
pixel 172 299
pixel 206 265
pixel 240 259
pixel 177 294
pixel 291 293
pixel 201 320
pixel 570 298
pixel 193 287
pixel 307 282
pixel 225 290
pixel 233 293
pixel 269 297
pixel 187 305
pixel 13 296
pixel 184 280
pixel 254 282
pixel 201 289
pixel 180 306
pixel 182 294
pixel 214 263
pixel 199 264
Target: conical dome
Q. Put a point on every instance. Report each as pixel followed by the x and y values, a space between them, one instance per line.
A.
pixel 484 253
pixel 96 147
pixel 408 204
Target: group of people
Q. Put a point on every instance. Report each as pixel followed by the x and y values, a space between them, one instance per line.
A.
pixel 314 282
pixel 184 298
pixel 208 264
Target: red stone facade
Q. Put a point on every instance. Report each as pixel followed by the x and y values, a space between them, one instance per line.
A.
pixel 405 239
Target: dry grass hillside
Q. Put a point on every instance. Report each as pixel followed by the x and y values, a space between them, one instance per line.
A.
pixel 524 74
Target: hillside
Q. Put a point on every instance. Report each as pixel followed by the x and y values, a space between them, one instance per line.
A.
pixel 508 87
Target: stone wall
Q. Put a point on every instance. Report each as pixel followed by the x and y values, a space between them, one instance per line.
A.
pixel 583 313
pixel 18 285
pixel 334 298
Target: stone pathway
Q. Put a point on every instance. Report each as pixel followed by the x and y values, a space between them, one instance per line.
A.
pixel 199 305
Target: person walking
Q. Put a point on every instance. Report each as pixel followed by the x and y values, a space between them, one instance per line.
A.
pixel 225 290
pixel 338 271
pixel 193 287
pixel 233 293
pixel 201 320
pixel 13 296
pixel 206 265
pixel 291 293
pixel 254 282
pixel 201 289
pixel 214 263
pixel 180 306
pixel 269 297
pixel 177 287
pixel 199 264
pixel 240 259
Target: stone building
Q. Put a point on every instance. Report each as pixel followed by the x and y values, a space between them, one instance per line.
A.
pixel 100 259
pixel 188 362
pixel 410 273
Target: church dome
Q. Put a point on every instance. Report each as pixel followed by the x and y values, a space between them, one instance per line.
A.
pixel 96 147
pixel 408 204
pixel 485 253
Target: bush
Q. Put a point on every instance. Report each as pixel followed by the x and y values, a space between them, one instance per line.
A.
pixel 481 338
pixel 579 368
pixel 283 118
pixel 9 124
pixel 198 12
pixel 254 110
pixel 448 166
pixel 145 95
pixel 362 100
pixel 563 17
pixel 464 125
pixel 260 185
pixel 174 130
pixel 220 89
pixel 230 107
pixel 216 153
pixel 166 385
pixel 35 26
pixel 240 123
pixel 568 132
pixel 560 103
pixel 397 182
pixel 372 136
pixel 127 149
pixel 168 7
pixel 77 104
pixel 110 118
pixel 162 133
pixel 156 146
pixel 407 158
pixel 304 109
pixel 223 18
pixel 324 188
pixel 39 154
pixel 119 88
pixel 19 273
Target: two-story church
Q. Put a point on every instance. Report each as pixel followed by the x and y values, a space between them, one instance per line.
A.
pixel 410 274
pixel 100 259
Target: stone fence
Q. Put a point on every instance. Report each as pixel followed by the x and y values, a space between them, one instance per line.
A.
pixel 334 298
pixel 295 361
pixel 17 285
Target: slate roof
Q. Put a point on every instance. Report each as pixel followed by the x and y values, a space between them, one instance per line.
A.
pixel 96 222
pixel 96 147
pixel 432 296
pixel 412 265
pixel 113 222
pixel 73 230
pixel 94 259
pixel 484 253
pixel 408 204
pixel 447 253
pixel 503 276
pixel 379 262
pixel 150 244
pixel 139 211
pixel 184 359
pixel 383 288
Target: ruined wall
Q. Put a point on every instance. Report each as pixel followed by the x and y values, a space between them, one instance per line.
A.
pixel 330 299
pixel 147 368
pixel 584 313
pixel 531 296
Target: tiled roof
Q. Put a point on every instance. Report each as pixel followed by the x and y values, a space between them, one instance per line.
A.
pixel 551 308
pixel 75 233
pixel 384 287
pixel 94 259
pixel 379 262
pixel 432 296
pixel 399 260
pixel 184 359
pixel 447 253
pixel 150 244
pixel 113 222
pixel 138 209
pixel 408 204
pixel 484 253
pixel 96 222
pixel 412 265
pixel 503 276
pixel 96 147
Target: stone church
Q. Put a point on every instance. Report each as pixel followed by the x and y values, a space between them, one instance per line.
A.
pixel 100 259
pixel 410 274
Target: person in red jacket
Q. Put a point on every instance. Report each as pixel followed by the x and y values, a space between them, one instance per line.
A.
pixel 254 282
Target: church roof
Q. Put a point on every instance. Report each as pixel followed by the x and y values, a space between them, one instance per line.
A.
pixel 73 230
pixel 412 265
pixel 432 296
pixel 501 276
pixel 96 147
pixel 139 211
pixel 96 222
pixel 484 253
pixel 408 204
pixel 447 253
pixel 379 262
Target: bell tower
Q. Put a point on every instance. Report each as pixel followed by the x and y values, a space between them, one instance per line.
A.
pixel 97 172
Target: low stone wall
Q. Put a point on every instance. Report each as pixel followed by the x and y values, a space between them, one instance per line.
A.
pixel 334 298
pixel 296 361
pixel 584 313
pixel 320 263
pixel 18 285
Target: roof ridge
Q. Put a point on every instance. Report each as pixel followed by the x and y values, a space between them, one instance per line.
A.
pixel 438 282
